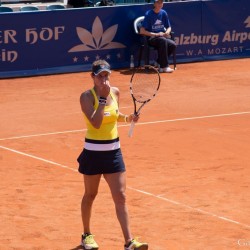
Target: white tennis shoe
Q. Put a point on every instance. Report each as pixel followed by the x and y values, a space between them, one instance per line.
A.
pixel 166 70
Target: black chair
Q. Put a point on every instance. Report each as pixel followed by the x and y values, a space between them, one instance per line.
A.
pixel 145 48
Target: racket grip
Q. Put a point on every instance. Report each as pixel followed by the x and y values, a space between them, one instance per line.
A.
pixel 130 132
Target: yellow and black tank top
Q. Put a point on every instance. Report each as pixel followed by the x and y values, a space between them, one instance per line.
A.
pixel 106 137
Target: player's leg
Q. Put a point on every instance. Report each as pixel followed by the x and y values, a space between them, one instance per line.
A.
pixel 117 184
pixel 91 185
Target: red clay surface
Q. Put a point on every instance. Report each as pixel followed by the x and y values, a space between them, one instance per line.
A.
pixel 188 167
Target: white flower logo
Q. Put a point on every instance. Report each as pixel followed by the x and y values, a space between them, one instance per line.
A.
pixel 99 39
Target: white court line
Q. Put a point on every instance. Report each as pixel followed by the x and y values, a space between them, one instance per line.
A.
pixel 137 124
pixel 191 208
pixel 43 134
pixel 37 158
pixel 134 189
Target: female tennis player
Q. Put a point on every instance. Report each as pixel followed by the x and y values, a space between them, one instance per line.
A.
pixel 102 155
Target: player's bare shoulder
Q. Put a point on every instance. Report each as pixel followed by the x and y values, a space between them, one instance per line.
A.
pixel 86 96
pixel 116 91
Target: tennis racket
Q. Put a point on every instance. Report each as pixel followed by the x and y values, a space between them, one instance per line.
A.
pixel 144 84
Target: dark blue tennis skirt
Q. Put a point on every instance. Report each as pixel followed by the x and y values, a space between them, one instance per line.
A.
pixel 100 162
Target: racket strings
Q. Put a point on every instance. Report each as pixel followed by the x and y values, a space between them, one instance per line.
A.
pixel 145 84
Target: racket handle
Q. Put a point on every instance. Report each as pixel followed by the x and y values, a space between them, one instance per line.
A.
pixel 130 132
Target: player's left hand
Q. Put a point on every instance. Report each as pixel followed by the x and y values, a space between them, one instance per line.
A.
pixel 133 117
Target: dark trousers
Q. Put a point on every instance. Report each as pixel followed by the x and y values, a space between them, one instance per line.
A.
pixel 165 47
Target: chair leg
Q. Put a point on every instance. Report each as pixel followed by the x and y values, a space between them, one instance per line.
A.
pixel 140 55
pixel 144 53
pixel 147 54
pixel 174 60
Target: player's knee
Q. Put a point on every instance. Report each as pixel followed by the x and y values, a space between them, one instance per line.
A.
pixel 89 197
pixel 119 198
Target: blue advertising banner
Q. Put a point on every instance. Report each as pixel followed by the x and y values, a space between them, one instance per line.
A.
pixel 211 30
pixel 48 42
pixel 228 24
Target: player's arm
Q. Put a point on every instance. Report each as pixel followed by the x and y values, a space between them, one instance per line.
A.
pixel 95 117
pixel 127 118
pixel 122 117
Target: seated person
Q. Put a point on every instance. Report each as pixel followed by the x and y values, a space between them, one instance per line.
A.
pixel 156 26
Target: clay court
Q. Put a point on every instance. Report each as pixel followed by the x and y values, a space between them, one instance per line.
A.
pixel 188 167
